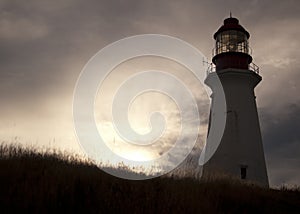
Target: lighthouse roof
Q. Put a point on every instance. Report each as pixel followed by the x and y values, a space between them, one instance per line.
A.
pixel 231 24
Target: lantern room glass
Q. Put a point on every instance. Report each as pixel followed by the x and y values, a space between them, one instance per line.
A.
pixel 232 41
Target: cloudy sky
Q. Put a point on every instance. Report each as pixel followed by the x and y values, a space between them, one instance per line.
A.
pixel 45 44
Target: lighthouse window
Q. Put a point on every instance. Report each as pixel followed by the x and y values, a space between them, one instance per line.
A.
pixel 243 172
pixel 232 41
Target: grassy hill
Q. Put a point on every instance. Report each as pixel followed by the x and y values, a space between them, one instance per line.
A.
pixel 33 182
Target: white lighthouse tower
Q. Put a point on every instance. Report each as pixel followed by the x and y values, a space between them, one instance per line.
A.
pixel 240 152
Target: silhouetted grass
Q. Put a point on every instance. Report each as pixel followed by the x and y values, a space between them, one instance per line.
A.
pixel 36 182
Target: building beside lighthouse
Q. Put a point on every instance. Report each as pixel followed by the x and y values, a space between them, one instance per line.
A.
pixel 239 152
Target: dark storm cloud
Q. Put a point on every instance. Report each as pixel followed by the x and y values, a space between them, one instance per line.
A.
pixel 282 144
pixel 280 130
pixel 41 40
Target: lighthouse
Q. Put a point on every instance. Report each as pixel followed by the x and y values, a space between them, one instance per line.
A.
pixel 239 152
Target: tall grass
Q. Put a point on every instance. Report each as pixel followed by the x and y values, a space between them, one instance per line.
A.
pixel 43 182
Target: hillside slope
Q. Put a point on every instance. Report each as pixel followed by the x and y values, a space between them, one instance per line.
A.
pixel 43 183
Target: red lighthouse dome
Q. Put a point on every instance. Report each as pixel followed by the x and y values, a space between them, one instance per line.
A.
pixel 232 47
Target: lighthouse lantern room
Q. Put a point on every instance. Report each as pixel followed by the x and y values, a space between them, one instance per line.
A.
pixel 232 46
